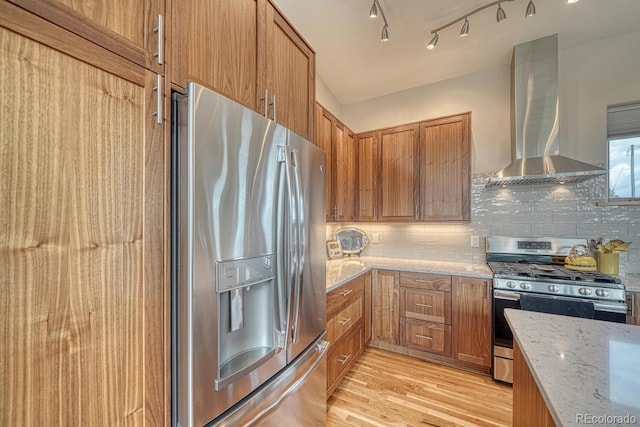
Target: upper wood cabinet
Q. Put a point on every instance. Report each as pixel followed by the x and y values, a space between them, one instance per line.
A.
pixel 84 285
pixel 246 51
pixel 133 30
pixel 398 177
pixel 344 174
pixel 215 43
pixel 367 177
pixel 324 140
pixel 472 320
pixel 445 169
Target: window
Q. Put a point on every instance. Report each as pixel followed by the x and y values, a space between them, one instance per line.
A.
pixel 623 139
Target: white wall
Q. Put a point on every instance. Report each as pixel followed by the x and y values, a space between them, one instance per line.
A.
pixel 326 98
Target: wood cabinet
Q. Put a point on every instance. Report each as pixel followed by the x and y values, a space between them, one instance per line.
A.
pixel 247 51
pixel 367 177
pixel 344 173
pixel 324 140
pixel 472 320
pixel 133 30
pixel 398 175
pixel 445 169
pixel 84 290
pixel 529 407
pixel 368 305
pixel 425 312
pixel 633 308
pixel 385 324
pixel 345 329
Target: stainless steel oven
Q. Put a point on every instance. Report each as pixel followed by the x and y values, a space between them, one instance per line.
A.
pixel 529 275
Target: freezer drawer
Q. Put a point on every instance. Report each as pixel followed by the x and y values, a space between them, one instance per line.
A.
pixel 296 394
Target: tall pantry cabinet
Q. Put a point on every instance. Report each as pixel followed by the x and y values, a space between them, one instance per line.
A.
pixel 83 291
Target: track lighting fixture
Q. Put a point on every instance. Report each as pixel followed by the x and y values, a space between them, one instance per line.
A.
pixel 500 14
pixel 433 42
pixel 373 13
pixel 465 28
pixel 531 9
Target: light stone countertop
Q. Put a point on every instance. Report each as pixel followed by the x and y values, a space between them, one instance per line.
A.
pixel 340 271
pixel 583 367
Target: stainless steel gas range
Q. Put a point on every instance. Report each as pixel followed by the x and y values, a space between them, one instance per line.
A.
pixel 529 274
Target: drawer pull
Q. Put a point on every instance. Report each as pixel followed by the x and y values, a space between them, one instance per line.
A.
pixel 424 305
pixel 347 292
pixel 345 321
pixel 344 359
pixel 423 337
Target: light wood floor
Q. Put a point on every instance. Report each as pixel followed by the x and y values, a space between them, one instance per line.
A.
pixel 389 389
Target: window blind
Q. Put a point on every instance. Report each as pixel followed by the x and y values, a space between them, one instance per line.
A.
pixel 623 120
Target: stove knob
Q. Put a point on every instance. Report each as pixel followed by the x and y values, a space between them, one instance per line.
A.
pixel 602 292
pixel 584 291
pixel 553 288
pixel 511 284
pixel 525 285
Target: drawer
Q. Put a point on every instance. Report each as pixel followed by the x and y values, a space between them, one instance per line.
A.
pixel 341 322
pixel 431 306
pixel 342 357
pixel 435 282
pixel 425 336
pixel 340 297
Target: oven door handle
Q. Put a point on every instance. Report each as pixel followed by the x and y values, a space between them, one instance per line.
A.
pixel 612 308
pixel 512 296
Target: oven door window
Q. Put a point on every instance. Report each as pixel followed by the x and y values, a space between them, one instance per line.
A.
pixel 502 332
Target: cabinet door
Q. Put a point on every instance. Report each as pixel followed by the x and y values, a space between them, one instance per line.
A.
pixel 124 27
pixel 367 165
pixel 345 173
pixel 324 137
pixel 472 320
pixel 633 308
pixel 290 75
pixel 367 307
pixel 215 43
pixel 386 319
pixel 82 240
pixel 398 175
pixel 445 169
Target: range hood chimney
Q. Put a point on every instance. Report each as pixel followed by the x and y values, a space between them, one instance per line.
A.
pixel 535 121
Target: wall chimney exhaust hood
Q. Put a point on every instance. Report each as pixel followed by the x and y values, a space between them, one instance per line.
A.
pixel 535 148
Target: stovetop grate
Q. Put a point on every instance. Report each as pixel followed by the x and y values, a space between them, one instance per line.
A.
pixel 552 273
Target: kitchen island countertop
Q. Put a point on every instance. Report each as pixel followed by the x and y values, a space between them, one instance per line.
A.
pixel 587 371
pixel 340 271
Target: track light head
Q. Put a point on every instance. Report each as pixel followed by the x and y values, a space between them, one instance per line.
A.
pixel 384 37
pixel 465 28
pixel 500 15
pixel 433 42
pixel 572 1
pixel 531 9
pixel 373 12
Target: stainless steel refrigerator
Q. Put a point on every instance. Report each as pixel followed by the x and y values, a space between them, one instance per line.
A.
pixel 249 268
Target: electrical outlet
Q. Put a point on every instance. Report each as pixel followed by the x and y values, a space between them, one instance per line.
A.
pixel 475 241
pixel 375 237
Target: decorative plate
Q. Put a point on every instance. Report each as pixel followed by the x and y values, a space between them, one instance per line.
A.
pixel 353 240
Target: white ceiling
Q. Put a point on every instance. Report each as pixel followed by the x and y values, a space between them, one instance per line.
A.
pixel 355 65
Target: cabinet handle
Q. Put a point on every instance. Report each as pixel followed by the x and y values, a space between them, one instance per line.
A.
pixel 265 102
pixel 630 305
pixel 274 108
pixel 489 291
pixel 335 212
pixel 347 292
pixel 344 359
pixel 345 321
pixel 158 89
pixel 424 305
pixel 160 31
pixel 423 337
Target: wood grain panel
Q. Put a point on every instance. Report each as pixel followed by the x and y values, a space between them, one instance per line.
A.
pixel 341 357
pixel 366 318
pixel 398 177
pixel 529 407
pixel 432 306
pixel 434 282
pixel 290 75
pixel 633 308
pixel 215 44
pixel 425 336
pixel 83 321
pixel 445 177
pixel 339 298
pixel 390 389
pixel 472 320
pixel 324 140
pixel 367 177
pixel 123 27
pixel 344 320
pixel 386 319
pixel 345 173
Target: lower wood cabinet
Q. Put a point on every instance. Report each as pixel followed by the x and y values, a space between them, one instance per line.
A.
pixel 385 322
pixel 472 320
pixel 529 407
pixel 425 336
pixel 341 356
pixel 633 308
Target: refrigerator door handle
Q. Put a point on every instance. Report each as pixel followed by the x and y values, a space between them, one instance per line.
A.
pixel 300 243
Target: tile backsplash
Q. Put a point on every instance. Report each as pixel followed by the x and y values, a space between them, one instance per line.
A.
pixel 552 210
